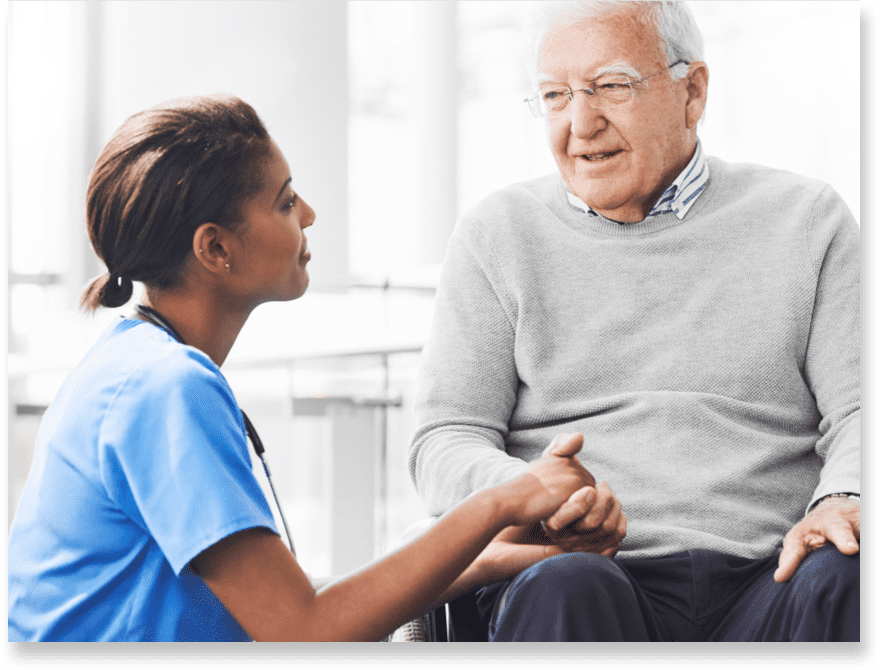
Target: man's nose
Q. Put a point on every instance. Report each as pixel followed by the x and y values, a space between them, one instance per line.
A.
pixel 585 119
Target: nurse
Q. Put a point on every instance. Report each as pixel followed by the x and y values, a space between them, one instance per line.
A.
pixel 141 518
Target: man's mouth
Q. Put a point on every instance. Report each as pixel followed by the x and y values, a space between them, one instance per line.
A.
pixel 600 156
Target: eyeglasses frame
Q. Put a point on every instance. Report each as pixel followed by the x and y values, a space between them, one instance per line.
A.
pixel 590 91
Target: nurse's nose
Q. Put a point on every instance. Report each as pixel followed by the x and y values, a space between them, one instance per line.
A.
pixel 308 217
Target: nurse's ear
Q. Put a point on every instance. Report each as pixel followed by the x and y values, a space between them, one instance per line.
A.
pixel 214 248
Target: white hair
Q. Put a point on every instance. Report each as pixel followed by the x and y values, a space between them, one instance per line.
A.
pixel 679 34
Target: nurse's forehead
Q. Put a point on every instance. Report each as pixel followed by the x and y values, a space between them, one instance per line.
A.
pixel 275 172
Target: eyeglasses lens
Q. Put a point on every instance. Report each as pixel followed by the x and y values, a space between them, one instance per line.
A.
pixel 605 92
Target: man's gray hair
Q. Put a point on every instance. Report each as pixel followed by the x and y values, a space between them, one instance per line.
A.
pixel 681 38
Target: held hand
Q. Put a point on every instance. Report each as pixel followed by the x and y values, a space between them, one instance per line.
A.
pixel 518 547
pixel 835 520
pixel 511 551
pixel 591 521
pixel 549 481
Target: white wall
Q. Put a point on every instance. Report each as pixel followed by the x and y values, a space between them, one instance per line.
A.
pixel 784 88
pixel 287 59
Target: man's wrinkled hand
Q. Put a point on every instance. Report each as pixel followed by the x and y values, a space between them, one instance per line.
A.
pixel 591 521
pixel 835 520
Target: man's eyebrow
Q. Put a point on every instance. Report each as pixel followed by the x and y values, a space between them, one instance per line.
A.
pixel 621 67
pixel 281 190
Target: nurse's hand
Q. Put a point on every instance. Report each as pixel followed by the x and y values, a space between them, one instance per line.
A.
pixel 548 483
pixel 511 551
pixel 517 547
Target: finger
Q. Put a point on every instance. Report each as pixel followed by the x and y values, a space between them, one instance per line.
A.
pixel 842 534
pixel 573 509
pixel 611 551
pixel 591 523
pixel 621 532
pixel 588 478
pixel 612 521
pixel 562 437
pixel 568 446
pixel 596 542
pixel 794 548
pixel 611 541
pixel 601 509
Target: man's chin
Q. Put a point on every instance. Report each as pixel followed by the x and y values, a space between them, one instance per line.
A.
pixel 597 198
pixel 615 210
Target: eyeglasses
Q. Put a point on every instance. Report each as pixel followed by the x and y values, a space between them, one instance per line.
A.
pixel 611 90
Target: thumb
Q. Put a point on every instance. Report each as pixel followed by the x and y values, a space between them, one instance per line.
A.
pixel 569 446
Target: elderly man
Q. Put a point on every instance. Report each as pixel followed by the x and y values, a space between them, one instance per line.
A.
pixel 696 321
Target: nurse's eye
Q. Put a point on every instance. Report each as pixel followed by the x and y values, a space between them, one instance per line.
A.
pixel 290 203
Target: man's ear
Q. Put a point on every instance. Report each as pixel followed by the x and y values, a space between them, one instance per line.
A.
pixel 697 82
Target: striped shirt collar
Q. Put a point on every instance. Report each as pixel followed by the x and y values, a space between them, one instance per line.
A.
pixel 680 195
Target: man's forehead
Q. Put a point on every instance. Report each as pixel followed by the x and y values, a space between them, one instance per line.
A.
pixel 590 73
pixel 596 46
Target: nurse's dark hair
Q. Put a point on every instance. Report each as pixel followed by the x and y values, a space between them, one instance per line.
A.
pixel 164 173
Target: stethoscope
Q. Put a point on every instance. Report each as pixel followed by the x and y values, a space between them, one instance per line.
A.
pixel 158 320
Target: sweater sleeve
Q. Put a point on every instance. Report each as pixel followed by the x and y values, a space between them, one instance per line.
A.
pixel 832 365
pixel 467 380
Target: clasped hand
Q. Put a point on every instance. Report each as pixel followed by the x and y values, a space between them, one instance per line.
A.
pixel 566 511
pixel 591 520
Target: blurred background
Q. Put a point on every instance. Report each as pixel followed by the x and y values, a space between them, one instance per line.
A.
pixel 395 117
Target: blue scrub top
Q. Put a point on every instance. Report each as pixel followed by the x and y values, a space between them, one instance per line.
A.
pixel 141 463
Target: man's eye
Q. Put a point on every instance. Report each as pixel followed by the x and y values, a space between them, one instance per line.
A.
pixel 612 85
pixel 553 95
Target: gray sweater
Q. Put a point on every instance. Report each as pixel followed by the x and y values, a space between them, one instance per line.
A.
pixel 712 364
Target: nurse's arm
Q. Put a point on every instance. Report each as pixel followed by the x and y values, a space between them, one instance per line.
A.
pixel 256 577
pixel 260 583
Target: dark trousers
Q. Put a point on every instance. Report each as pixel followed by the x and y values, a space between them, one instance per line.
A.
pixel 689 596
